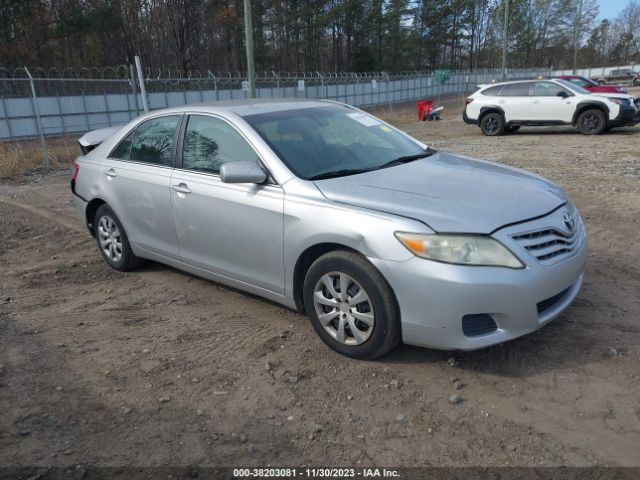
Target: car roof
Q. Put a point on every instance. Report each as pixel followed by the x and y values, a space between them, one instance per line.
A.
pixel 497 84
pixel 250 106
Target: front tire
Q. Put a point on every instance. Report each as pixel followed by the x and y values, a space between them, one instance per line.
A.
pixel 351 306
pixel 592 122
pixel 113 242
pixel 492 124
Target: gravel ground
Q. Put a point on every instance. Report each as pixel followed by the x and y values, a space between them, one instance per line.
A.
pixel 156 367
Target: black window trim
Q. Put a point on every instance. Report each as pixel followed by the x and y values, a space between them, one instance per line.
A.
pixel 176 134
pixel 180 144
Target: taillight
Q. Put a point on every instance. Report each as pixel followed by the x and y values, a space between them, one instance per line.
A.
pixel 468 101
pixel 76 170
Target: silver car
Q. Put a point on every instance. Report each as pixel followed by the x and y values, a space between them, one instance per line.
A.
pixel 329 210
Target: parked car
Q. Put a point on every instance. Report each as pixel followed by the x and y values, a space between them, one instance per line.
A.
pixel 622 75
pixel 505 107
pixel 593 87
pixel 324 208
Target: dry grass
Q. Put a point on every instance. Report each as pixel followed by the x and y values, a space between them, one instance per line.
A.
pixel 20 157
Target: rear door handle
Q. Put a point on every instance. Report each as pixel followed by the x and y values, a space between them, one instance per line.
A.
pixel 181 188
pixel 110 173
pixel 536 101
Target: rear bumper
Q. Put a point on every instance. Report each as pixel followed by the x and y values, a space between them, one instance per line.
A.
pixel 628 116
pixel 468 120
pixel 81 207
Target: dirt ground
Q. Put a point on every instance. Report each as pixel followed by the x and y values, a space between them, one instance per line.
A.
pixel 157 367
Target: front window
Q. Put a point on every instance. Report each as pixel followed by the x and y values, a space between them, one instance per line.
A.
pixel 210 142
pixel 333 141
pixel 550 89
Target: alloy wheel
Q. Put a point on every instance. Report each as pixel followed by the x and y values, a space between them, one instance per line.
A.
pixel 591 122
pixel 344 308
pixel 491 125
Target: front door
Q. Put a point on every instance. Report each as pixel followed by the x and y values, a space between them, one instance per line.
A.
pixel 235 230
pixel 552 103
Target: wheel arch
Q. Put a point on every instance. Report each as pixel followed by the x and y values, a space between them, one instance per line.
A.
pixel 490 109
pixel 582 106
pixel 306 259
pixel 90 213
pixel 310 255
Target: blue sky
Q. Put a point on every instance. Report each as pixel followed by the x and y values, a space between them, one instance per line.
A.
pixel 611 8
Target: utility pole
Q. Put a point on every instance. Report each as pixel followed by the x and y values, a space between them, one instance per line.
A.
pixel 248 40
pixel 576 35
pixel 505 38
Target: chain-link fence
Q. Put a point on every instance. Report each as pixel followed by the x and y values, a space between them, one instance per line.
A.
pixel 50 108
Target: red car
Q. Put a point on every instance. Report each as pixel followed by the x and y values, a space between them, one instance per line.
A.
pixel 593 86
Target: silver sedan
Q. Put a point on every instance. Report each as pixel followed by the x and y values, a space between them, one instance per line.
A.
pixel 331 211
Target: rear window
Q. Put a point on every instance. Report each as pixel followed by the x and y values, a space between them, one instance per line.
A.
pixel 517 90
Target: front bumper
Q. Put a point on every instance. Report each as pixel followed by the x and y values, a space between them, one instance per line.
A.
pixel 434 297
pixel 628 116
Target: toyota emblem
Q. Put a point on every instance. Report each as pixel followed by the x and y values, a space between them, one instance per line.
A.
pixel 569 221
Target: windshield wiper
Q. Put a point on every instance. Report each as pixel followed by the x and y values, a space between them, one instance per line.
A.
pixel 407 158
pixel 339 173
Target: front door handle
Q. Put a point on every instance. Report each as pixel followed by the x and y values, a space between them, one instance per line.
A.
pixel 181 188
pixel 110 173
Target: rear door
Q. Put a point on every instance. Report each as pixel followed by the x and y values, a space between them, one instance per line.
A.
pixel 548 104
pixel 137 176
pixel 516 101
pixel 234 230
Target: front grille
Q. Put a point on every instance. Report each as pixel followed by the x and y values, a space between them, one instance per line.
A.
pixel 549 245
pixel 544 305
pixel 478 324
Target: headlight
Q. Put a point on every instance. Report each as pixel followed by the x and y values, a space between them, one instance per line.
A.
pixel 460 249
pixel 621 101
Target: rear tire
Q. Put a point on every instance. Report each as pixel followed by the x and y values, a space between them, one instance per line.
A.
pixel 351 306
pixel 592 122
pixel 492 124
pixel 113 242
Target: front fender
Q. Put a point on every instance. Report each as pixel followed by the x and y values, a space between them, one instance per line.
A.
pixel 310 219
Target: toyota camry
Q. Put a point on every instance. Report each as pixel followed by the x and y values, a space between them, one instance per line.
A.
pixel 324 208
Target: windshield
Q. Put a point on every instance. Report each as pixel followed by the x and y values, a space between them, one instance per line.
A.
pixel 573 86
pixel 580 81
pixel 333 141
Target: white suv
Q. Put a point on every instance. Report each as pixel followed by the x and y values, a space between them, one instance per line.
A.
pixel 504 107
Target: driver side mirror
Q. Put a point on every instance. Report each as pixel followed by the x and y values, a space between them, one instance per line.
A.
pixel 242 172
pixel 562 94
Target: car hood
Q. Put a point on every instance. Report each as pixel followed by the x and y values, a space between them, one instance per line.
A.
pixel 449 193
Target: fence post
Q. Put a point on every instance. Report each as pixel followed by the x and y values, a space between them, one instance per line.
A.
pixel 36 110
pixel 388 90
pixel 133 89
pixel 143 90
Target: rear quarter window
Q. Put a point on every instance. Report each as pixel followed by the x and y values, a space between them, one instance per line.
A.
pixel 493 91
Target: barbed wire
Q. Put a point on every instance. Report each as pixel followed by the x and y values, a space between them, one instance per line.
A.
pixel 124 72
